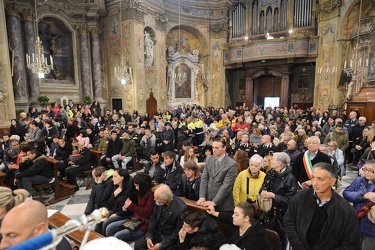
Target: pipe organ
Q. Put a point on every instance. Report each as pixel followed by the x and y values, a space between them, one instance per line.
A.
pixel 270 16
pixel 239 20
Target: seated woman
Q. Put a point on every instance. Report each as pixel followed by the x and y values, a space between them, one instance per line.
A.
pixel 190 183
pixel 123 184
pixel 141 208
pixel 250 234
pixel 249 181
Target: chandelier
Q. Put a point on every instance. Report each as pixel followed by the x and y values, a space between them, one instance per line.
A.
pixel 122 72
pixel 38 63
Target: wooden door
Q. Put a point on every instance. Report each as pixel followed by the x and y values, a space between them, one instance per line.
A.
pixel 151 105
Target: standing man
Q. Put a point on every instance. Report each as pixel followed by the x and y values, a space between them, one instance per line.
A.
pixel 218 178
pixel 147 144
pixel 302 168
pixel 167 137
pixel 319 218
pixel 126 153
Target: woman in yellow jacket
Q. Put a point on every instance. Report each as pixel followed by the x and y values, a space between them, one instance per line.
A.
pixel 248 182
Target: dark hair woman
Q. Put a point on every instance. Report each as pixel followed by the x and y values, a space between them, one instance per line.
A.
pixel 250 234
pixel 123 184
pixel 16 128
pixel 141 208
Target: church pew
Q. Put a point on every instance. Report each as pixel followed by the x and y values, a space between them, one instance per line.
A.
pixel 58 220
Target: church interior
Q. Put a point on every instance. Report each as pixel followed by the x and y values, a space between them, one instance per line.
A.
pixel 123 53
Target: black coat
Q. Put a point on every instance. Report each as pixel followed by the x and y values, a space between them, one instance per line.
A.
pixel 341 230
pixel 165 229
pixel 115 203
pixel 299 169
pixel 208 235
pixel 113 148
pixel 39 166
pixel 100 195
pixel 172 175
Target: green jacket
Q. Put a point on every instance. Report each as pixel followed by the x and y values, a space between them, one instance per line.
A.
pixel 128 147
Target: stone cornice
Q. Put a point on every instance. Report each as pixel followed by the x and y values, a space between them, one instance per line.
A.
pixel 12 9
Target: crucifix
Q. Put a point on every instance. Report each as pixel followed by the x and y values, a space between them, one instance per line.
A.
pixel 303 69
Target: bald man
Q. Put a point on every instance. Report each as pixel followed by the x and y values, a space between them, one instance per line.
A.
pixel 76 167
pixel 165 221
pixel 26 221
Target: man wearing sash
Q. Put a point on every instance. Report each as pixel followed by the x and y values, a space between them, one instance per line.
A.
pixel 302 168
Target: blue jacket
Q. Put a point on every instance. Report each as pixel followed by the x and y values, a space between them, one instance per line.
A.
pixel 353 193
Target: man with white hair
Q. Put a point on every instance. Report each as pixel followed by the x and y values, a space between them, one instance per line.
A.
pixel 302 168
pixel 165 221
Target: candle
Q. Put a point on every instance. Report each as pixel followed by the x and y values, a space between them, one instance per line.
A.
pixel 345 64
pixel 33 58
pixel 51 60
pixel 351 63
pixel 367 62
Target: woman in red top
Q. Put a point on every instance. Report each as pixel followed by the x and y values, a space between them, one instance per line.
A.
pixel 141 209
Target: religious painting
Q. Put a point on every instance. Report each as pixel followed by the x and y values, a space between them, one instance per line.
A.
pixel 303 81
pixel 57 44
pixel 182 81
pixel 113 25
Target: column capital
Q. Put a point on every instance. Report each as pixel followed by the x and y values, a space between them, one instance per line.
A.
pixel 82 29
pixel 27 14
pixel 94 31
pixel 12 9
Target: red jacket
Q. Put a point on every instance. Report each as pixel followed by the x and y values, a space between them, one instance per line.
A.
pixel 242 126
pixel 144 209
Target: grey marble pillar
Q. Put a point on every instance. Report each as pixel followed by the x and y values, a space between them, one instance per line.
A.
pixel 18 61
pixel 96 62
pixel 85 62
pixel 33 80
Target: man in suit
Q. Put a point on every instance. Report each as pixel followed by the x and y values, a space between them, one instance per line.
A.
pixel 218 178
pixel 302 168
pixel 165 221
pixel 82 164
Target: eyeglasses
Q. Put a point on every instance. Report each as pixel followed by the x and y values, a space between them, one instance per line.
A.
pixel 368 170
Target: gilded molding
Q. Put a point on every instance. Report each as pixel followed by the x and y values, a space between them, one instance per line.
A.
pixel 27 14
pixel 94 31
pixel 329 5
pixel 82 29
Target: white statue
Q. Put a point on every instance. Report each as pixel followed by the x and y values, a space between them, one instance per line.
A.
pixel 149 51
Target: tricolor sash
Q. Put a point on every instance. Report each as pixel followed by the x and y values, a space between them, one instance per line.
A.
pixel 307 163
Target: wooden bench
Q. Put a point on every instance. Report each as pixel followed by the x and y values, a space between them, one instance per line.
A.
pixel 58 220
pixel 63 190
pixel 95 156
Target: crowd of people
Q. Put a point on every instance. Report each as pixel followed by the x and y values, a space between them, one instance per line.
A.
pixel 227 160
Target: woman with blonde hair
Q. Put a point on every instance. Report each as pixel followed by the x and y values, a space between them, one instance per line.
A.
pixel 10 199
pixel 249 181
pixel 188 155
pixel 267 163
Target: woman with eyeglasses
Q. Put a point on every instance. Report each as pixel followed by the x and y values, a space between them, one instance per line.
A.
pixel 361 192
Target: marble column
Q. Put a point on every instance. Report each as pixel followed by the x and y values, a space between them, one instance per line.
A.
pixel 15 41
pixel 33 79
pixel 97 66
pixel 85 62
pixel 284 91
pixel 249 91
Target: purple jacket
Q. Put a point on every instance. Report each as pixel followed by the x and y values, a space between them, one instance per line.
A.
pixel 353 193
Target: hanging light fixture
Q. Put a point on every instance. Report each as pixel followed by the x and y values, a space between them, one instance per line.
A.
pixel 122 72
pixel 37 62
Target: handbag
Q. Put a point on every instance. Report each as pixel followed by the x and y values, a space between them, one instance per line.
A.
pixel 360 164
pixel 132 224
pixel 273 222
pixel 371 214
pixel 264 204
